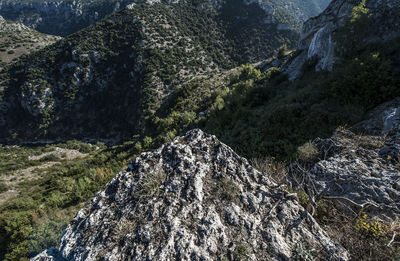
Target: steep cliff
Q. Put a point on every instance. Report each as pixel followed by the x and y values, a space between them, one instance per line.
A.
pixel 366 21
pixel 193 198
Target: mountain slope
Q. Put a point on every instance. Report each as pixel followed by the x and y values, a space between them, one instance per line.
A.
pixel 17 39
pixel 274 112
pixel 104 81
pixel 64 17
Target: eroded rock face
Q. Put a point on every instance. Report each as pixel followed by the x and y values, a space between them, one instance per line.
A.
pixel 362 171
pixel 192 199
pixel 383 119
pixel 317 35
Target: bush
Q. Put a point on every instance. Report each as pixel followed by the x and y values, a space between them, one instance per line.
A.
pixel 269 166
pixel 350 36
pixel 282 52
pixel 308 152
pixel 367 81
pixel 45 235
pixel 3 187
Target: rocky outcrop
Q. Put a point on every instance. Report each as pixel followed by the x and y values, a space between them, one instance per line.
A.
pixel 193 198
pixel 383 119
pixel 317 38
pixel 11 27
pixel 363 171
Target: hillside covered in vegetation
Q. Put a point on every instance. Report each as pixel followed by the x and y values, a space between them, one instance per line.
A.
pixel 63 17
pixel 144 76
pixel 104 81
pixel 17 39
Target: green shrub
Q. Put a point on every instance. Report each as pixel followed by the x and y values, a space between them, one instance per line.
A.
pixel 241 251
pixel 45 235
pixel 227 189
pixel 151 184
pixel 50 157
pixel 282 52
pixel 3 187
pixel 308 152
pixel 367 81
pixel 350 36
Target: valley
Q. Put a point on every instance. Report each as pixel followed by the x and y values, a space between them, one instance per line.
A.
pixel 202 130
pixel 63 17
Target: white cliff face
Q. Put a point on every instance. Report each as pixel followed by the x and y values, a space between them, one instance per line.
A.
pixel 317 35
pixel 192 199
pixel 322 46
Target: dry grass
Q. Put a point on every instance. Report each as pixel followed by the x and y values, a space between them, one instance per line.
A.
pixel 341 226
pixel 308 152
pixel 276 170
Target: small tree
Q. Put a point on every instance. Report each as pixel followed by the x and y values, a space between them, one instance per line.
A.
pixel 282 52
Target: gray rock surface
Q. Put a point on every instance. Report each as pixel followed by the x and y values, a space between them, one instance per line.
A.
pixel 317 34
pixel 383 119
pixel 362 171
pixel 192 199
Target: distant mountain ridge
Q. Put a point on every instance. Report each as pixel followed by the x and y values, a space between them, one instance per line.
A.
pixel 63 17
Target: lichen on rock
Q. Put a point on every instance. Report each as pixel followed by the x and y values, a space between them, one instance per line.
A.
pixel 193 198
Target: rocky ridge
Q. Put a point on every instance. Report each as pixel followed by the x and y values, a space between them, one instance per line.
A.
pixel 193 198
pixel 57 17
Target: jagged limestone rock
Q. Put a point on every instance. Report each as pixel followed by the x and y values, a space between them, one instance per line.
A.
pixel 383 119
pixel 362 171
pixel 192 199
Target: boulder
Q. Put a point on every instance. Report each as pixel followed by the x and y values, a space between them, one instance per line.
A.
pixel 193 199
pixel 361 170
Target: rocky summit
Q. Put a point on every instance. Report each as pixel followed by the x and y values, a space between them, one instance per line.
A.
pixel 193 198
